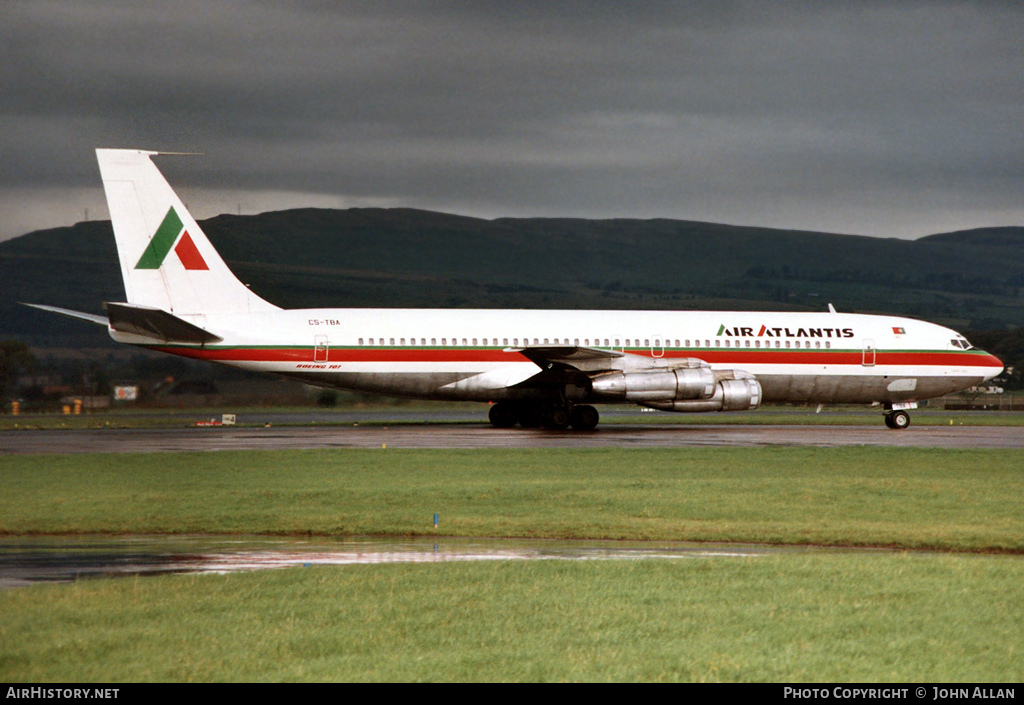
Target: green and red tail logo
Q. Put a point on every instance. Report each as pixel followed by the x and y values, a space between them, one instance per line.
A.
pixel 171 235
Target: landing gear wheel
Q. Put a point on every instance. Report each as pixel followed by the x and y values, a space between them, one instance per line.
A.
pixel 502 415
pixel 584 418
pixel 556 418
pixel 897 420
pixel 529 416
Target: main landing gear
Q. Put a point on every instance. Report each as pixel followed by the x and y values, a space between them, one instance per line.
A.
pixel 506 414
pixel 897 420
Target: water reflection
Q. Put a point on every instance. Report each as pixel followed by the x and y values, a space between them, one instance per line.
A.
pixel 27 560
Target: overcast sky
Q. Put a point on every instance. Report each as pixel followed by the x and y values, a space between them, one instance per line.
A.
pixel 895 119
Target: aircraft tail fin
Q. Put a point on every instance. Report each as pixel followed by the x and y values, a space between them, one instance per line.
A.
pixel 166 260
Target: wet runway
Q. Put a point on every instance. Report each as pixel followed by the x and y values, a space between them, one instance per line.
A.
pixel 484 436
pixel 30 560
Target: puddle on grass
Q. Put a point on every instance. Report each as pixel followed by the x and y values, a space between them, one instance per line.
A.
pixel 29 560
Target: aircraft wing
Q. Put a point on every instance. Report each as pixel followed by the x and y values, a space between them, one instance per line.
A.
pixel 566 354
pixel 500 378
pixel 549 363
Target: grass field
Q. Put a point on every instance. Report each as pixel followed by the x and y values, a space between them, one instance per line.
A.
pixel 875 616
pixel 911 498
pixel 795 618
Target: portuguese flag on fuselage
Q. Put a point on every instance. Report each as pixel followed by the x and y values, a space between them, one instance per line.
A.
pixel 171 235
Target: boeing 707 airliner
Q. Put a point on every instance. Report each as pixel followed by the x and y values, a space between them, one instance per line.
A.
pixel 539 368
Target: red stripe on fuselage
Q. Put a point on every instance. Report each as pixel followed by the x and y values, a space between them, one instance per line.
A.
pixel 838 357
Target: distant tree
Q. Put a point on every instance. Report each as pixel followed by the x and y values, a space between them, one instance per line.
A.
pixel 15 358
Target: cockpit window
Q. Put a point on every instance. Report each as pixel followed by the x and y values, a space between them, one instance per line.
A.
pixel 960 343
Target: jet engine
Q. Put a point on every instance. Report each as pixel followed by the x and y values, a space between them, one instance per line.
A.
pixel 661 385
pixel 730 395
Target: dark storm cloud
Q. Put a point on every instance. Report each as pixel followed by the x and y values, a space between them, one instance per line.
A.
pixel 895 118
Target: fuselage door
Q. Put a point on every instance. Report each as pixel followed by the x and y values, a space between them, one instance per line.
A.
pixel 657 346
pixel 868 357
pixel 320 348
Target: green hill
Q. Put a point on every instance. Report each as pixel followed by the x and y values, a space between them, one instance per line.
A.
pixel 403 257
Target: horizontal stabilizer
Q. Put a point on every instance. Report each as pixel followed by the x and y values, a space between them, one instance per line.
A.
pixel 91 317
pixel 156 323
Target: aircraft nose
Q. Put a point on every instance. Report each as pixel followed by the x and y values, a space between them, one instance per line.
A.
pixel 993 367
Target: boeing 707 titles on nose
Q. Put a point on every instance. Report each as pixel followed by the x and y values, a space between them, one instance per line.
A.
pixel 539 368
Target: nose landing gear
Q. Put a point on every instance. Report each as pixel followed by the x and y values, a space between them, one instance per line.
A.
pixel 897 420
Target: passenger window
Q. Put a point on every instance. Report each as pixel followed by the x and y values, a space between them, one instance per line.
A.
pixel 360 341
pixel 392 341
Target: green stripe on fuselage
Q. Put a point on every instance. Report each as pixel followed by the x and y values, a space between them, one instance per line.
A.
pixel 162 242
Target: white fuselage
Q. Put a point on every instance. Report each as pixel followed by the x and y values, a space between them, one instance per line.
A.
pixel 478 354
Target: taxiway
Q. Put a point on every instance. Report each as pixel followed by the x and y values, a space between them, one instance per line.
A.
pixel 484 436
